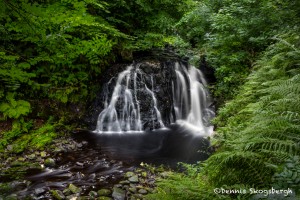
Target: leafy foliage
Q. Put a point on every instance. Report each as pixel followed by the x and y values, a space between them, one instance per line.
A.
pixel 233 34
pixel 258 131
pixel 53 52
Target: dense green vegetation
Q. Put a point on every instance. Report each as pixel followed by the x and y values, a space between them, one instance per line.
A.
pixel 53 51
pixel 254 47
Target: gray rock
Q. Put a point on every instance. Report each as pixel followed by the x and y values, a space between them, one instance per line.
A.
pixel 72 197
pixel 11 197
pixel 104 192
pixel 49 162
pixel 79 164
pixel 31 156
pixel 118 194
pixel 93 194
pixel 43 154
pixel 67 192
pixel 132 189
pixel 129 174
pixel 124 182
pixel 57 194
pixel 74 189
pixel 143 191
pixel 134 179
pixel 39 191
pixel 104 198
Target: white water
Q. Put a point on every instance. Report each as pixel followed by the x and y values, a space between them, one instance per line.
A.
pixel 191 102
pixel 129 120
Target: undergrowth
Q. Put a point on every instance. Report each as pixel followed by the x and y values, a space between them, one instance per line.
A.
pixel 258 133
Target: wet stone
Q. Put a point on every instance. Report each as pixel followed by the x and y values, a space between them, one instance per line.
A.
pixel 144 174
pixel 49 162
pixel 57 194
pixel 104 198
pixel 138 196
pixel 93 194
pixel 143 191
pixel 132 189
pixel 74 189
pixel 83 198
pixel 118 194
pixel 72 197
pixel 39 191
pixel 134 179
pixel 79 164
pixel 21 159
pixel 129 174
pixel 11 197
pixel 104 192
pixel 31 156
pixel 124 182
pixel 43 154
pixel 67 192
pixel 9 147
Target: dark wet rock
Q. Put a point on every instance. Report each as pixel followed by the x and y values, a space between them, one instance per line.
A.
pixel 57 194
pixel 11 197
pixel 138 196
pixel 104 198
pixel 79 164
pixel 22 159
pixel 124 182
pixel 144 174
pixel 72 197
pixel 132 189
pixel 67 192
pixel 31 156
pixel 129 174
pixel 74 189
pixel 143 191
pixel 83 198
pixel 39 191
pixel 79 145
pixel 49 162
pixel 118 193
pixel 134 179
pixel 93 194
pixel 43 154
pixel 104 192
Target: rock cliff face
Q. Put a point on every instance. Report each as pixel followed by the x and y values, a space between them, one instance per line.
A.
pixel 154 78
pixel 150 94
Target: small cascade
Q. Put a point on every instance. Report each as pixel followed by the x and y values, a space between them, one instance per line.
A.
pixel 192 102
pixel 149 96
pixel 122 112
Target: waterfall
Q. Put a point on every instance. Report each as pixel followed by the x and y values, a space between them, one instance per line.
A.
pixel 192 102
pixel 149 96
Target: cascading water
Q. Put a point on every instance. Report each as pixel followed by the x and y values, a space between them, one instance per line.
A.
pixel 192 102
pixel 130 85
pixel 152 96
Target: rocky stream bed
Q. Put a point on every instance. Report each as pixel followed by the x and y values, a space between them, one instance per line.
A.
pixel 69 169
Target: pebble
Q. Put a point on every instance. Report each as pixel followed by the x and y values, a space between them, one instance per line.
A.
pixel 74 189
pixel 118 194
pixel 57 194
pixel 49 162
pixel 104 192
pixel 129 174
pixel 143 191
pixel 93 194
pixel 134 179
pixel 39 191
pixel 79 164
